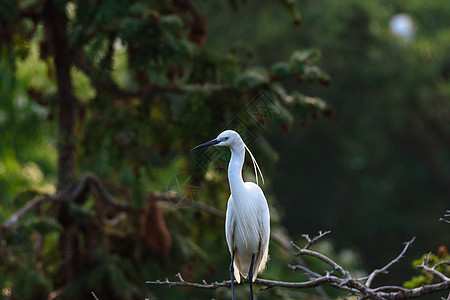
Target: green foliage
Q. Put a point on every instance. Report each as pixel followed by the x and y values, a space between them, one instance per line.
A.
pixel 430 260
pixel 147 88
pixel 31 284
pixel 81 213
pixel 41 225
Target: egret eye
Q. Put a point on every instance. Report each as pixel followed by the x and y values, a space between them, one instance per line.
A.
pixel 226 138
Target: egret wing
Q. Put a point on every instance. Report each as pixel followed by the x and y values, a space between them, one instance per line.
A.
pixel 229 225
pixel 264 223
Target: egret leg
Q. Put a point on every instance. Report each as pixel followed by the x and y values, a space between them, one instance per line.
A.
pixel 250 276
pixel 232 273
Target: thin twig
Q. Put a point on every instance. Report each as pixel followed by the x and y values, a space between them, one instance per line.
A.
pixel 93 295
pixel 432 270
pixel 386 267
pixel 315 239
pixel 283 242
pixel 179 277
pixel 325 259
pixel 447 215
pixel 445 262
pixel 305 269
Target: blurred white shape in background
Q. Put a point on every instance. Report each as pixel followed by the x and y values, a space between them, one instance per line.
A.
pixel 402 25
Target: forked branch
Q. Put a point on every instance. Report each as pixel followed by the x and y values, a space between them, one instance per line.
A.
pixel 447 215
pixel 360 287
pixel 384 270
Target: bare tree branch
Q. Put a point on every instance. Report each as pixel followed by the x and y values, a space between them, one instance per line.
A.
pixel 384 270
pixel 425 266
pixel 315 239
pixel 210 209
pixel 325 259
pixel 93 295
pixel 283 241
pixel 347 283
pixel 304 269
pixel 265 282
pixel 445 262
pixel 447 214
pixel 30 205
pixel 402 293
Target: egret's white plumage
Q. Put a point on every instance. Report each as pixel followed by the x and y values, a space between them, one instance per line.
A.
pixel 247 225
pixel 246 235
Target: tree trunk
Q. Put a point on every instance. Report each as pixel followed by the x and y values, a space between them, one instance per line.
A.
pixel 56 27
pixel 56 33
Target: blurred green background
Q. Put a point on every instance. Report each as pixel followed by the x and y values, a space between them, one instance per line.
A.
pixel 348 118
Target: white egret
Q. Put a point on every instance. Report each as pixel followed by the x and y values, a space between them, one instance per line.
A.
pixel 247 225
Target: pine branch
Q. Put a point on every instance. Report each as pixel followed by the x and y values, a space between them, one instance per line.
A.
pixel 90 183
pixel 150 88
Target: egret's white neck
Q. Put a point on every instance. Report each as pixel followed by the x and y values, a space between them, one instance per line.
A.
pixel 235 168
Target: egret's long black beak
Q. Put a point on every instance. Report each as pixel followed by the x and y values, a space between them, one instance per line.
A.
pixel 210 143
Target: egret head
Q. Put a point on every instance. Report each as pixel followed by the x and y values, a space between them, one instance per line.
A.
pixel 227 138
pixel 233 140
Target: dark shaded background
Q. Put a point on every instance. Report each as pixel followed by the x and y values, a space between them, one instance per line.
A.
pixel 378 173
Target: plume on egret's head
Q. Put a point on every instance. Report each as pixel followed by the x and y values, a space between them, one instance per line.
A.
pixel 255 165
pixel 231 139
